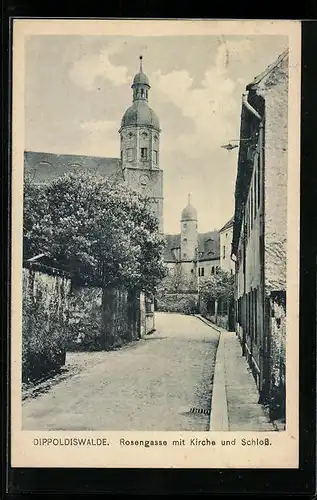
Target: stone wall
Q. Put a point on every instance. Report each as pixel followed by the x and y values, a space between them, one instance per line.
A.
pixel 278 354
pixel 45 317
pixel 60 314
pixel 85 322
pixel 275 93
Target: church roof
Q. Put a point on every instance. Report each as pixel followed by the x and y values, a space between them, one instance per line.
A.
pixel 44 167
pixel 140 114
pixel 208 246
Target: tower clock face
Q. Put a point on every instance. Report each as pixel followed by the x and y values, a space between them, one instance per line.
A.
pixel 144 179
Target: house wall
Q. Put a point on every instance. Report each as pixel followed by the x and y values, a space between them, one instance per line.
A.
pixel 209 266
pixel 261 255
pixel 226 263
pixel 275 181
pixel 249 278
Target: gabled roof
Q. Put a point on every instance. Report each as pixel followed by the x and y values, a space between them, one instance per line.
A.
pixel 271 68
pixel 227 225
pixel 43 167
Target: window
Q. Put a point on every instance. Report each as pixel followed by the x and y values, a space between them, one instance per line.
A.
pixel 121 155
pixel 143 153
pixel 155 157
pixel 213 270
pixel 259 180
pixel 201 271
pixel 129 154
pixel 223 251
pixel 142 92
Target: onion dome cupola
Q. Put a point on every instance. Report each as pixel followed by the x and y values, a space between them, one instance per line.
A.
pixel 189 213
pixel 140 113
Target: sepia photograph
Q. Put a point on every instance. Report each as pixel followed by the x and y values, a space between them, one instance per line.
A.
pixel 154 204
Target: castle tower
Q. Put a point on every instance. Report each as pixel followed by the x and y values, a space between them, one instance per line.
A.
pixel 189 245
pixel 189 235
pixel 140 141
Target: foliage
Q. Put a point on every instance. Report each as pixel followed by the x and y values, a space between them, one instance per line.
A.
pixel 101 230
pixel 218 286
pixel 177 303
pixel 43 326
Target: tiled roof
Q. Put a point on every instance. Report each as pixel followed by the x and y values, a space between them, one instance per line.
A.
pixel 173 241
pixel 44 167
pixel 227 225
pixel 258 79
pixel 208 244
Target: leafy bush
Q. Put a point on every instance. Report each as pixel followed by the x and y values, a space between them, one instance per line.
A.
pixel 44 327
pixel 183 304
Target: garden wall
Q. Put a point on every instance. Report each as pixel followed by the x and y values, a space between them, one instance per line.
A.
pixel 62 314
pixel 45 311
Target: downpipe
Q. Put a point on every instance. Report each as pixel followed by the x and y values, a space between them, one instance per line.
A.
pixel 248 106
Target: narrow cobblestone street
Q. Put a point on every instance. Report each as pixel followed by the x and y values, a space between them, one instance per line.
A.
pixel 148 385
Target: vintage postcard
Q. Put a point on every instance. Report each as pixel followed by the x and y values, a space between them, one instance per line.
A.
pixel 155 243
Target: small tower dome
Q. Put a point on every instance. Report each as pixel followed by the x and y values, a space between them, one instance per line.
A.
pixel 141 78
pixel 189 212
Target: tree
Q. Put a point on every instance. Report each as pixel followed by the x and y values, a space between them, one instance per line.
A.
pixel 219 286
pixel 96 228
pixel 175 281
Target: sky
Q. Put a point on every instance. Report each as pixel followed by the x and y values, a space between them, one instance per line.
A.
pixel 77 89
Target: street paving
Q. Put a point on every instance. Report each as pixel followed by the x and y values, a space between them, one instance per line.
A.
pixel 147 385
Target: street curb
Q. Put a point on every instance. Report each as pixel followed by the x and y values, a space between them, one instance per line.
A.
pixel 207 322
pixel 219 404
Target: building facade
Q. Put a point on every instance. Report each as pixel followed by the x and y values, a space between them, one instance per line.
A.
pixel 226 262
pixel 139 162
pixel 190 256
pixel 259 231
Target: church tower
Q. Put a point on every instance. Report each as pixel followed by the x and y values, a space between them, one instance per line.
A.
pixel 140 141
pixel 189 245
